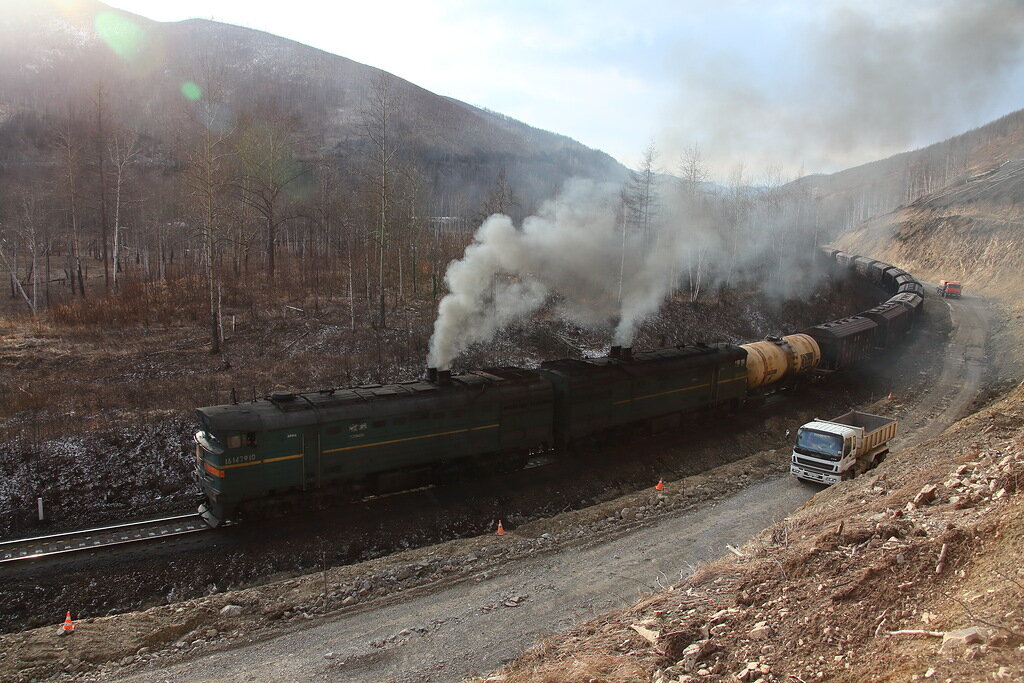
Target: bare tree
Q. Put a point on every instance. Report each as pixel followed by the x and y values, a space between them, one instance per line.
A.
pixel 378 132
pixel 100 144
pixel 208 180
pixel 123 150
pixel 67 140
pixel 641 195
pixel 501 198
pixel 692 174
pixel 692 171
pixel 268 166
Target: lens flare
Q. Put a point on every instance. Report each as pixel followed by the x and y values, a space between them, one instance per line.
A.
pixel 191 91
pixel 122 35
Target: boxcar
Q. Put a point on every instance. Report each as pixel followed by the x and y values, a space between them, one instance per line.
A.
pixel 911 287
pixel 893 320
pixel 912 302
pixel 843 342
pixel 844 259
pixel 863 266
pixel 889 276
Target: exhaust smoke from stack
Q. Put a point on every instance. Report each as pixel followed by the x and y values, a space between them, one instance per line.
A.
pixel 578 256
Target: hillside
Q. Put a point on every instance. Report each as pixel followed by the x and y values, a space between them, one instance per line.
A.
pixel 848 198
pixel 968 231
pixel 60 57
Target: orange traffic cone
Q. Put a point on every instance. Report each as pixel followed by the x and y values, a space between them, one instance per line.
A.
pixel 661 484
pixel 890 396
pixel 68 624
pixel 501 529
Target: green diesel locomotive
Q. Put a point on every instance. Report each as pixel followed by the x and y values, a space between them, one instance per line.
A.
pixel 288 450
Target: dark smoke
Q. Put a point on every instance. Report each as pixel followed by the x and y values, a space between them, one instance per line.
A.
pixel 868 81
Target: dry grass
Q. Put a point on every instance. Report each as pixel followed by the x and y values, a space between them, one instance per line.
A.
pixel 135 303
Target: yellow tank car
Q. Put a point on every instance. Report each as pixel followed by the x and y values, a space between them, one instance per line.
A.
pixel 772 360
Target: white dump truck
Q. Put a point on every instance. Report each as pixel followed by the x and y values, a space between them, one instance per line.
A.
pixel 829 451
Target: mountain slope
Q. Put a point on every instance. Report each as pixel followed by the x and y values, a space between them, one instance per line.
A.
pixel 52 61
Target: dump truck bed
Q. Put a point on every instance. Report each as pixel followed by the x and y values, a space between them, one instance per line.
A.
pixel 877 428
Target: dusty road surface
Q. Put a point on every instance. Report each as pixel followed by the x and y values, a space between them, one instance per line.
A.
pixel 963 372
pixel 445 633
pixel 475 625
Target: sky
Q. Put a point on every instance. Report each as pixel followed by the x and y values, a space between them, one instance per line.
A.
pixel 795 86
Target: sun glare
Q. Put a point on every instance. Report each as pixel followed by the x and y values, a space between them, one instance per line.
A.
pixel 122 35
pixel 191 91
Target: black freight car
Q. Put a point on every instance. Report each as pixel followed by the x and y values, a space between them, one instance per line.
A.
pixel 600 394
pixel 906 280
pixel 911 287
pixel 876 272
pixel 889 276
pixel 912 302
pixel 894 322
pixel 864 267
pixel 844 259
pixel 844 342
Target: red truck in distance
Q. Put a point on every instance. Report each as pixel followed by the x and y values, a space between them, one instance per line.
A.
pixel 948 289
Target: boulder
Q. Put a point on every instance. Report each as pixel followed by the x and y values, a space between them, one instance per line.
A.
pixel 231 611
pixel 761 630
pixel 925 495
pixel 959 640
pixel 695 652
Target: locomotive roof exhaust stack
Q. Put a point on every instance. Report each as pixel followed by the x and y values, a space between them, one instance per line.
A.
pixel 439 377
pixel 615 352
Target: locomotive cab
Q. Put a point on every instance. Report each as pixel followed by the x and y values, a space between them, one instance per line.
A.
pixel 209 474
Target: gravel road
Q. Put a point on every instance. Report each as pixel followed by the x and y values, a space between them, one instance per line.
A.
pixel 963 371
pixel 476 625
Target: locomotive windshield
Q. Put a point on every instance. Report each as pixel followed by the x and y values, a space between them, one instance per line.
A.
pixel 207 442
pixel 819 442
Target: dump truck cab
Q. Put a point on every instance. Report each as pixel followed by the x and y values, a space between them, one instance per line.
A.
pixel 949 289
pixel 829 451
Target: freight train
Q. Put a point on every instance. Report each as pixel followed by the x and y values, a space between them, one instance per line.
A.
pixel 302 450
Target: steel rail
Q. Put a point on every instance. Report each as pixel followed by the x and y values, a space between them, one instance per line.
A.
pixel 100 537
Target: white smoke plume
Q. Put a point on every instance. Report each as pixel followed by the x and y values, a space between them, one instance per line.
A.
pixel 576 254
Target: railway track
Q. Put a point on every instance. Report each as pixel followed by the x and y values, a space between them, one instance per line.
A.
pixel 40 547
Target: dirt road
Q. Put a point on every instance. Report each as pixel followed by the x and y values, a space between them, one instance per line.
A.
pixel 963 372
pixel 475 625
pixel 448 633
